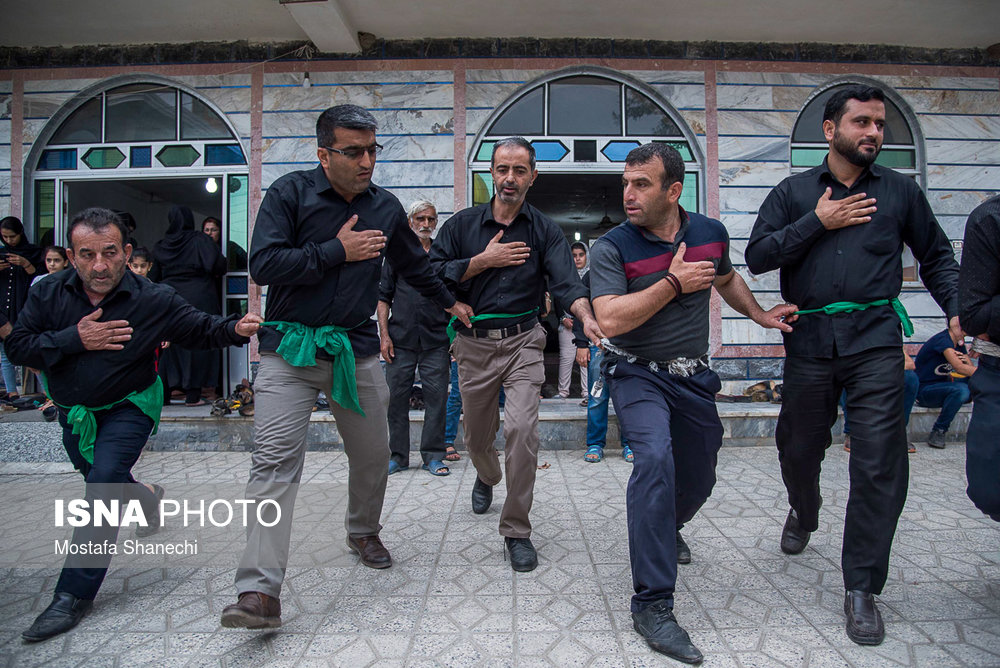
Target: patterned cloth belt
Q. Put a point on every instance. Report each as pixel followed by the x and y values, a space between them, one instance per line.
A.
pixel 679 366
pixel 987 348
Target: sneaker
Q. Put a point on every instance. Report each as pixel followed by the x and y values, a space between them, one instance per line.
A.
pixel 937 439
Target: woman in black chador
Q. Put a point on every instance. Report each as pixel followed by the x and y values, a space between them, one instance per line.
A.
pixel 20 262
pixel 190 262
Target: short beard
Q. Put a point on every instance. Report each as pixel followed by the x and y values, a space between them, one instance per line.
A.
pixel 852 153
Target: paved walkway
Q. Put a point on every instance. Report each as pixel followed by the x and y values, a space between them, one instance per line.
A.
pixel 451 600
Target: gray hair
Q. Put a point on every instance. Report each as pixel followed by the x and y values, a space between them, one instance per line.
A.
pixel 349 116
pixel 418 206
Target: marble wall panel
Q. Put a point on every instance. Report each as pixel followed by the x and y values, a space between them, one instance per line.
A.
pixel 6 86
pixel 765 299
pixel 435 147
pixel 772 78
pixel 214 80
pixel 681 96
pixel 746 332
pixel 475 119
pixel 757 122
pixel 767 282
pixel 271 173
pixel 973 177
pixel 49 85
pixel 6 99
pixel 420 174
pixel 694 119
pixel 954 226
pixel 32 128
pixel 745 97
pixel 4 206
pixel 44 105
pixel 752 173
pixel 444 197
pixel 488 94
pixel 920 305
pixel 414 121
pixel 986 83
pixel 753 148
pixel 241 123
pixel 967 127
pixel 318 77
pixel 791 97
pixel 5 183
pixel 4 131
pixel 744 200
pixel 502 75
pixel 952 101
pixel 228 99
pixel 739 226
pixel 737 248
pixel 963 152
pixel 955 202
pixel 671 76
pixel 373 96
pixel 4 158
pixel 275 150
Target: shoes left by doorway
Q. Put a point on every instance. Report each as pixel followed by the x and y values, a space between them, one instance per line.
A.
pixel 937 439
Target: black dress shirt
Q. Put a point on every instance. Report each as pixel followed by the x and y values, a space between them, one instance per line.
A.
pixel 296 254
pixel 46 338
pixel 860 263
pixel 979 280
pixel 415 322
pixel 506 289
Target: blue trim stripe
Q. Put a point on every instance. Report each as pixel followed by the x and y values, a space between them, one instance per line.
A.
pixel 313 84
pixel 221 87
pixel 313 111
pixel 765 136
pixel 952 113
pixel 757 111
pixel 963 190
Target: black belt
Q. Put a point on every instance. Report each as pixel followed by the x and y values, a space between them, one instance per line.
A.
pixel 497 334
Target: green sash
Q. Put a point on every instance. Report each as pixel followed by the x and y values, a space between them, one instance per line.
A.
pixel 149 401
pixel 847 307
pixel 298 348
pixel 484 316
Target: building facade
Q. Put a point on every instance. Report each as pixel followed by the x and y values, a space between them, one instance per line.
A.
pixel 146 136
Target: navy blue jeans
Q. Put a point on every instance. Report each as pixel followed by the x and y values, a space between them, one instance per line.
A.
pixel 982 446
pixel 949 397
pixel 122 432
pixel 597 407
pixel 674 430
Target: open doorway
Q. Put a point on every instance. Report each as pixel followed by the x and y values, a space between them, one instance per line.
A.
pixel 148 200
pixel 588 204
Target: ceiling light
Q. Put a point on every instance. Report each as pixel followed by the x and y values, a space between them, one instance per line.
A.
pixel 211 185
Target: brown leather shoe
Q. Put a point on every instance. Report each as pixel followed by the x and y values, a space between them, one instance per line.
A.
pixel 371 550
pixel 253 611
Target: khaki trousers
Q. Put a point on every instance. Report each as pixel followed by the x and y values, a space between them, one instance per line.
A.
pixel 283 399
pixel 516 364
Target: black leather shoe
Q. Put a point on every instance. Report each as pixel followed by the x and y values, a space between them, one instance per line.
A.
pixel 154 521
pixel 657 625
pixel 864 622
pixel 64 612
pixel 683 551
pixel 482 497
pixel 523 557
pixel 793 538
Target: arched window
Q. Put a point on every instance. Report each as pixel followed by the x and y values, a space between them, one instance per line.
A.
pixel 809 147
pixel 582 124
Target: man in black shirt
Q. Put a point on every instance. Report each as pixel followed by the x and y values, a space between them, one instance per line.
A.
pixel 318 244
pixel 414 335
pixel 498 256
pixel 836 233
pixel 979 309
pixel 93 332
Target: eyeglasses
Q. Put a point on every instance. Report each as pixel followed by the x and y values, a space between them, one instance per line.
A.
pixel 355 153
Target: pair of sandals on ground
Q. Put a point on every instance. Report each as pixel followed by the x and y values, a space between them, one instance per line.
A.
pixel 595 453
pixel 434 467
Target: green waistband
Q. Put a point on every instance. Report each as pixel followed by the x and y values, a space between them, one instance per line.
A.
pixel 484 316
pixel 149 401
pixel 298 347
pixel 848 307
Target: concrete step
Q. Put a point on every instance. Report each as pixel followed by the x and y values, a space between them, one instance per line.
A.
pixel 562 425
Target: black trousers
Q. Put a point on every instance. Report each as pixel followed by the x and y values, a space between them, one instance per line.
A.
pixel 982 446
pixel 879 469
pixel 435 367
pixel 122 432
